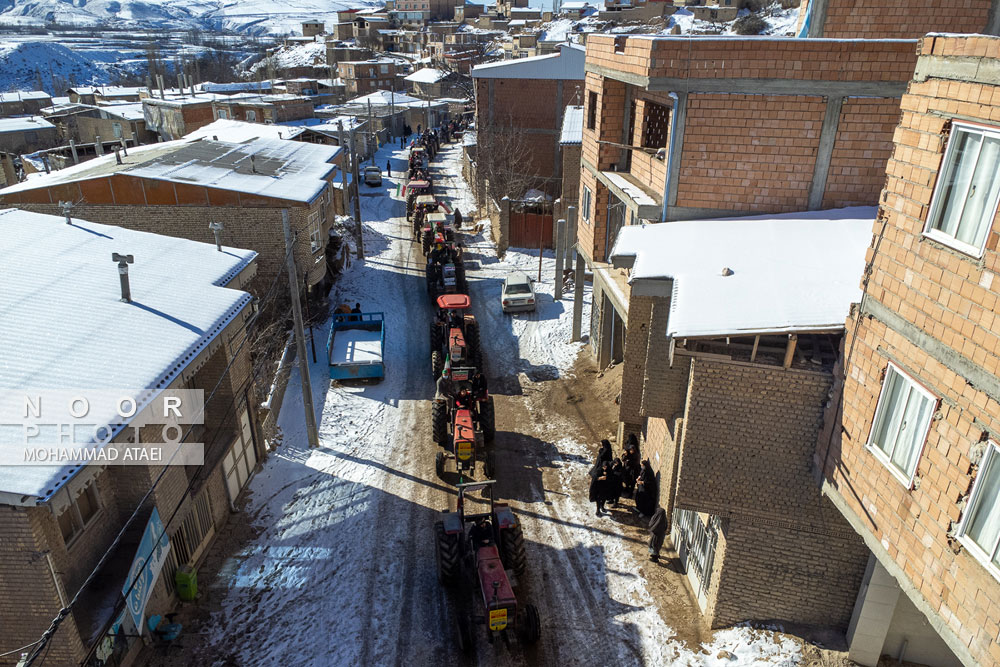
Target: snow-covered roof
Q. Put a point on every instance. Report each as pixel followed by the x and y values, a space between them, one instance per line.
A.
pixel 119 91
pixel 790 272
pixel 24 124
pixel 384 98
pixel 19 96
pixel 427 75
pixel 517 23
pixel 238 131
pixel 235 87
pixel 289 170
pixel 128 111
pixel 64 325
pixel 572 126
pixel 573 5
pixel 567 64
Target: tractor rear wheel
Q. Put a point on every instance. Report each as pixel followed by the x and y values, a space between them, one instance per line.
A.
pixel 448 555
pixel 531 628
pixel 466 640
pixel 439 421
pixel 437 363
pixel 512 550
pixel 439 464
pixel 429 274
pixel 488 420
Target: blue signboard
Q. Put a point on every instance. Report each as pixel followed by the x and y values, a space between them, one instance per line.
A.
pixel 146 568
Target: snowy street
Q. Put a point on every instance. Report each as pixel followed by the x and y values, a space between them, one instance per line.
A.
pixel 332 560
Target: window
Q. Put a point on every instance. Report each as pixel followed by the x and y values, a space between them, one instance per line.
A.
pixel 965 198
pixel 77 516
pixel 315 231
pixel 655 125
pixel 902 419
pixel 251 116
pixel 116 128
pixel 980 527
pixel 221 113
pixel 384 69
pixel 585 205
pixel 591 110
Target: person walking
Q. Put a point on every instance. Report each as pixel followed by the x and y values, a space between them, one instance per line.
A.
pixel 599 486
pixel 657 532
pixel 388 168
pixel 458 219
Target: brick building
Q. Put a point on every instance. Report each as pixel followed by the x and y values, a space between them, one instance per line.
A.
pixel 886 19
pixel 177 188
pixel 531 94
pixel 680 128
pixel 570 145
pixel 726 384
pixel 909 454
pixel 58 520
pixel 176 116
pixel 362 77
pixel 254 108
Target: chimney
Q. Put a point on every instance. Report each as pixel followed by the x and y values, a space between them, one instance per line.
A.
pixel 72 148
pixel 253 165
pixel 118 154
pixel 66 207
pixel 123 262
pixel 159 80
pixel 216 228
pixel 98 145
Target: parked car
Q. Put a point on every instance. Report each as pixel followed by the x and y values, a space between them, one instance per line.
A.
pixel 518 293
pixel 373 176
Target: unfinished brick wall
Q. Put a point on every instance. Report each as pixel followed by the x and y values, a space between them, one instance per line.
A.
pixel 861 149
pixel 753 152
pixel 634 363
pixel 771 572
pixel 953 301
pixel 900 19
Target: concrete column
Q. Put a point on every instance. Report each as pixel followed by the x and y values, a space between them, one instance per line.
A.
pixel 827 139
pixel 993 19
pixel 578 298
pixel 872 616
pixel 675 151
pixel 817 17
pixel 560 246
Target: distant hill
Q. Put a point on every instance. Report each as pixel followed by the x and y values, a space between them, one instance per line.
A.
pixel 254 17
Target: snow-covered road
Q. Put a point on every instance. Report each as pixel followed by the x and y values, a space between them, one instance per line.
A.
pixel 342 571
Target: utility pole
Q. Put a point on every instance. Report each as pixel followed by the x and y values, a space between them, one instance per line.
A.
pixel 560 243
pixel 344 164
pixel 371 131
pixel 357 194
pixel 300 336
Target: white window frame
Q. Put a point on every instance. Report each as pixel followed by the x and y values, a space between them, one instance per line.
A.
pixel 315 232
pixel 992 450
pixel 585 204
pixel 251 116
pixel 222 114
pixel 936 199
pixel 886 460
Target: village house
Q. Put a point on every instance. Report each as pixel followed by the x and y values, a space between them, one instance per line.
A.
pixel 879 19
pixel 26 134
pixel 24 103
pixel 312 28
pixel 254 108
pixel 362 77
pixel 175 116
pixel 909 453
pixel 738 368
pixel 177 188
pixel 183 326
pixel 530 94
pixel 671 135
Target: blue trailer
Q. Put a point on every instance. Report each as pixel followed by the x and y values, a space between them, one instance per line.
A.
pixel 355 346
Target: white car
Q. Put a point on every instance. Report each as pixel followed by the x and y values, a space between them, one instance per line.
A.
pixel 518 293
pixel 373 176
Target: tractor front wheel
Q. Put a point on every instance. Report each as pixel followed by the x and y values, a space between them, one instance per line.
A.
pixel 439 464
pixel 448 555
pixel 437 363
pixel 466 640
pixel 531 628
pixel 435 337
pixel 488 420
pixel 439 421
pixel 512 550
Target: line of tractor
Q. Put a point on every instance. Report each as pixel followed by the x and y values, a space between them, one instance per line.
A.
pixel 481 540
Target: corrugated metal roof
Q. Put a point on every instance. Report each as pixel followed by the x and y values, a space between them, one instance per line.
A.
pixel 64 325
pixel 572 127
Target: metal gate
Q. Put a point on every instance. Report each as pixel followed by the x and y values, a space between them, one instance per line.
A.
pixel 530 223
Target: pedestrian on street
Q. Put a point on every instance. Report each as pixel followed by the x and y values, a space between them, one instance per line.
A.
pixel 631 464
pixel 646 492
pixel 599 487
pixel 657 532
pixel 615 485
pixel 388 168
pixel 458 219
pixel 604 453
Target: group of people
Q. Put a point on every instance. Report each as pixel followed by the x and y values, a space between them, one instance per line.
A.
pixel 613 478
pixel 466 396
pixel 343 312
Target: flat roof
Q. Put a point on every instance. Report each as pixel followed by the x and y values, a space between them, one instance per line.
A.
pixel 568 63
pixel 21 95
pixel 290 170
pixel 64 325
pixel 427 75
pixel 238 131
pixel 790 272
pixel 24 124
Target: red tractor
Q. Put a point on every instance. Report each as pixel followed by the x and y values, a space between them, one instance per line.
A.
pixel 474 552
pixel 414 189
pixel 423 205
pixel 435 223
pixel 445 270
pixel 465 424
pixel 454 334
